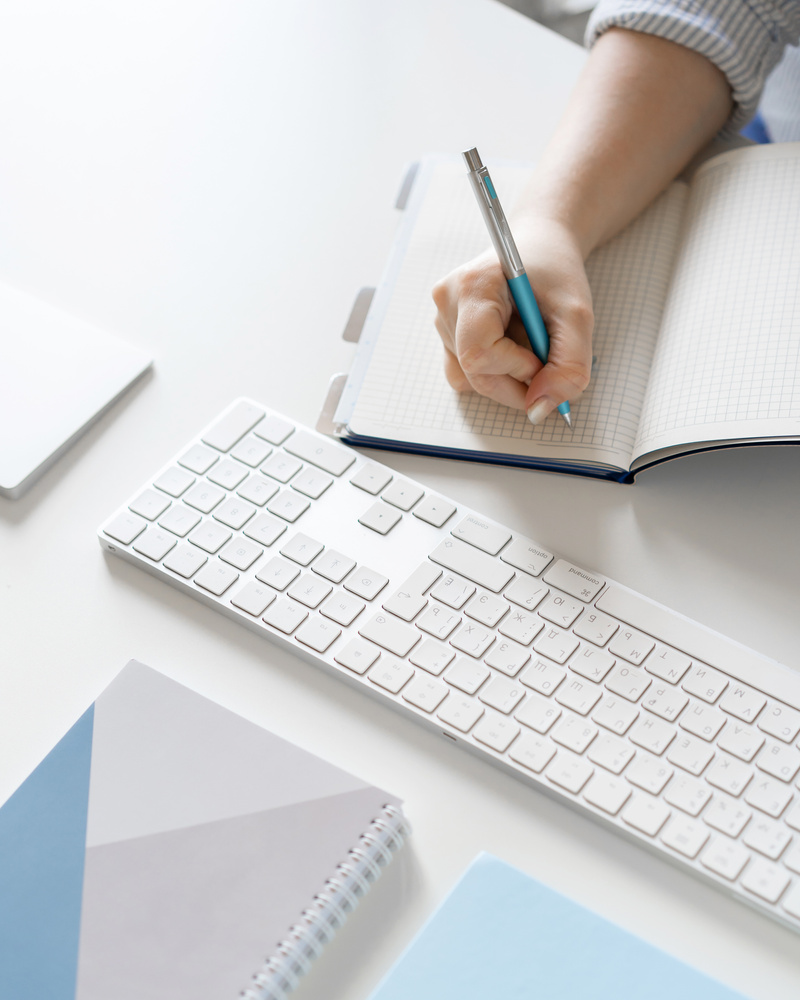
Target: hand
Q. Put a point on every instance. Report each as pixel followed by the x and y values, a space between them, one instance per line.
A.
pixel 486 348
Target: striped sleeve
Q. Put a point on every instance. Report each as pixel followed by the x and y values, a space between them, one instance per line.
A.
pixel 743 38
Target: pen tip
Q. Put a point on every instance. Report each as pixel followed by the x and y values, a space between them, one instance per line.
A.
pixel 567 420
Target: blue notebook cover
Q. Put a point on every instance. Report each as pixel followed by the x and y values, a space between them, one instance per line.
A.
pixel 500 933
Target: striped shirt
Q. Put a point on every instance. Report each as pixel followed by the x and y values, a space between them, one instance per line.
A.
pixel 745 39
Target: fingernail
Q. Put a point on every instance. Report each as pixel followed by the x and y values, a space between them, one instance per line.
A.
pixel 541 408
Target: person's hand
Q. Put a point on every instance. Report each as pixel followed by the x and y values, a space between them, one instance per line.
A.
pixel 486 348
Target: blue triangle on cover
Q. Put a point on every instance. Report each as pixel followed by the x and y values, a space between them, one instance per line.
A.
pixel 42 848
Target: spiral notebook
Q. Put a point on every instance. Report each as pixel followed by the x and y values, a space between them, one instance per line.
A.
pixel 500 933
pixel 168 848
pixel 697 328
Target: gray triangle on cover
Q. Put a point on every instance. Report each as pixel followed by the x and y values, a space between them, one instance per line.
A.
pixel 192 914
pixel 165 757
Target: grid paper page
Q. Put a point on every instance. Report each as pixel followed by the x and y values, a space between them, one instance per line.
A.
pixel 727 365
pixel 404 395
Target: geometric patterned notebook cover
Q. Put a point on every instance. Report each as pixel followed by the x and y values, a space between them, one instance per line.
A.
pixel 164 847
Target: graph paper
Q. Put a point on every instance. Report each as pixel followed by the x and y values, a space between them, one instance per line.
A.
pixel 404 396
pixel 727 365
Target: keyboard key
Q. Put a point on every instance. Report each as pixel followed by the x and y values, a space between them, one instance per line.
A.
pixel 779 721
pixel 560 610
pixel 372 478
pixel 502 694
pixel 174 481
pixel 365 582
pixel 467 675
pixel 496 731
pixel 741 741
pixel 210 536
pixel 607 793
pixel 391 674
pixel 668 664
pixel 357 656
pixel 252 451
pixel 125 527
pixel 312 483
pixel 629 682
pixel 453 591
pixel 527 592
pixel 198 459
pixel 390 633
pixel 631 645
pixel 702 721
pixel 484 536
pixel 473 639
pixel 579 695
pixel 767 837
pixel 425 692
pixel 285 615
pixel 569 772
pixel 342 608
pixel 532 752
pixel 556 645
pixel 596 627
pixel 438 621
pixel 742 702
pixel 302 549
pixel 705 683
pixel 574 733
pixel 646 814
pixel 521 626
pixel 227 474
pixel 216 578
pixel 149 504
pixel 592 663
pixel 780 761
pixel 234 513
pixel 729 775
pixel 725 857
pixel 574 581
pixel 318 634
pixel 648 773
pixel 687 794
pixel 403 494
pixel 154 543
pixel 434 510
pixel 240 553
pixel 278 573
pixel 765 879
pixel 288 505
pixel 274 429
pixel 507 657
pixel 179 520
pixel 543 676
pixel 431 656
pixel 281 467
pixel 727 815
pixel 538 713
pixel 265 529
pixel 186 560
pixel 253 598
pixel 615 714
pixel 204 497
pixel 257 490
pixel 611 753
pixel 690 754
pixel 486 609
pixel 470 562
pixel 460 713
pixel 224 434
pixel 768 795
pixel 665 701
pixel 327 455
pixel 526 555
pixel 333 565
pixel 310 590
pixel 685 835
pixel 380 518
pixel 652 735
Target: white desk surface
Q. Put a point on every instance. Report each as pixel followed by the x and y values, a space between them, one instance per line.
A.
pixel 215 181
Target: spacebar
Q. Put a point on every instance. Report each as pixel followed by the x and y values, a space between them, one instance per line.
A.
pixel 737 661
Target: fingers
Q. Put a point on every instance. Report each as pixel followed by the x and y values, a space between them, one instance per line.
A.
pixel 474 309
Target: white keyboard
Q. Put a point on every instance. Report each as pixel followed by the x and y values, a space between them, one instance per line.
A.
pixel 676 737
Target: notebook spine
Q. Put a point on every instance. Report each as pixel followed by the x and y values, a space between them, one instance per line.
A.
pixel 330 908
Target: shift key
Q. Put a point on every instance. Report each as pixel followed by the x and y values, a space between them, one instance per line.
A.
pixel 475 565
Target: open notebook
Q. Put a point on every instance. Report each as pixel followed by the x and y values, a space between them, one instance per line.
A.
pixel 168 849
pixel 697 332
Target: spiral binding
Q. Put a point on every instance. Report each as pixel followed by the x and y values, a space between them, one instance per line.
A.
pixel 330 908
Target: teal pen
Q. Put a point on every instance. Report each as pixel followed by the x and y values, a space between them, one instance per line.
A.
pixel 511 262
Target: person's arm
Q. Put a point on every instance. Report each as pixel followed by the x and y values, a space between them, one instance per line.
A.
pixel 642 108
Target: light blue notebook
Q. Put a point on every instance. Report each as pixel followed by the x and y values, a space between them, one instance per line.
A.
pixel 502 934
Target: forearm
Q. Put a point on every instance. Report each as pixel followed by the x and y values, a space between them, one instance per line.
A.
pixel 641 110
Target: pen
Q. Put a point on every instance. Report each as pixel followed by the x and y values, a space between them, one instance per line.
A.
pixel 510 261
